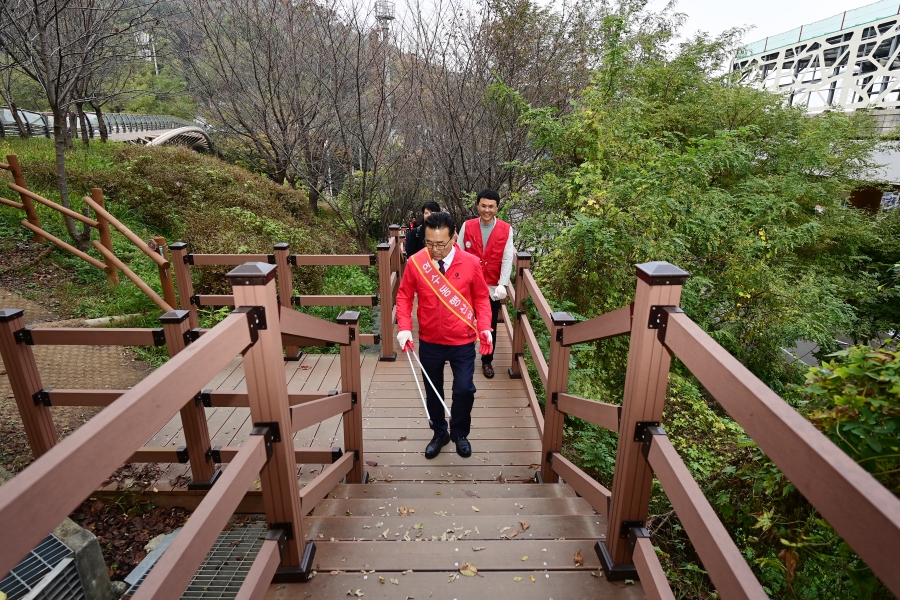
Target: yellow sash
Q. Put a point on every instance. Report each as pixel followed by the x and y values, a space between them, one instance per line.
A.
pixel 442 288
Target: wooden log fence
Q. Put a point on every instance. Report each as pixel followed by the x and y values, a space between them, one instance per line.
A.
pixel 860 509
pixel 30 506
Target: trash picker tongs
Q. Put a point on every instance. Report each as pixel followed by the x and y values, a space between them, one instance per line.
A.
pixel 409 351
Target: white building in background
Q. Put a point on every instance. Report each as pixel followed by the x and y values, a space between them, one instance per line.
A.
pixel 845 62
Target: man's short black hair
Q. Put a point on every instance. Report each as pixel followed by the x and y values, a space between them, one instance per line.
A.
pixel 432 206
pixel 441 220
pixel 488 194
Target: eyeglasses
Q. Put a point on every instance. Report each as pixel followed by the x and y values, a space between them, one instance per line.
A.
pixel 433 246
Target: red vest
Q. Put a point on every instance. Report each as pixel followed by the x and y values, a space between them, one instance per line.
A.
pixel 490 256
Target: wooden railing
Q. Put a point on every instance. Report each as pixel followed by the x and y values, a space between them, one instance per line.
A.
pixel 391 262
pixel 102 223
pixel 31 503
pixel 859 508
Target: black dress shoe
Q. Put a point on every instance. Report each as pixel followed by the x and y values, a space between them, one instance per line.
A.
pixel 435 445
pixel 463 447
pixel 488 370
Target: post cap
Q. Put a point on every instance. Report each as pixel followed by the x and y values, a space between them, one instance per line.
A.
pixel 393 227
pixel 661 272
pixel 282 246
pixel 8 314
pixel 178 246
pixel 174 317
pixel 348 317
pixel 523 255
pixel 252 273
pixel 384 246
pixel 562 318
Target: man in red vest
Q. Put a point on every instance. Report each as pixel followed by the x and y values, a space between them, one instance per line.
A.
pixel 491 241
pixel 453 312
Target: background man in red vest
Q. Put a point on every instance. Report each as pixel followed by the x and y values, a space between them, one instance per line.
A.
pixel 454 311
pixel 491 241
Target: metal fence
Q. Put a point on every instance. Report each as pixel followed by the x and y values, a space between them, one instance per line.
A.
pixel 40 124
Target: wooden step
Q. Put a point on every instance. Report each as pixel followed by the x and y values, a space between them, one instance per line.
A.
pixel 544 527
pixel 568 585
pixel 458 508
pixel 418 446
pixel 427 490
pixel 451 474
pixel 451 457
pixel 422 432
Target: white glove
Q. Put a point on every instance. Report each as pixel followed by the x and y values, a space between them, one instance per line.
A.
pixel 403 338
pixel 499 293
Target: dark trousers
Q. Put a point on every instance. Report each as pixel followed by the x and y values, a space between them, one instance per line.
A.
pixel 462 363
pixel 495 317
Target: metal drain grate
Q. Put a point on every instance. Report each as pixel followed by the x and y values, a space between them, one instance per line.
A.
pixel 29 573
pixel 63 583
pixel 229 560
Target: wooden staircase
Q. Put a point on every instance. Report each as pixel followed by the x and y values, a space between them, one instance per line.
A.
pixel 523 539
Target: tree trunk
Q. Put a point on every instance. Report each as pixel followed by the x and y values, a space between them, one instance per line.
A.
pixel 314 199
pixel 82 119
pixel 101 124
pixel 60 130
pixel 23 131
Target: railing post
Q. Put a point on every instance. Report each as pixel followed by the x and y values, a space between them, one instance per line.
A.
pixel 19 179
pixel 523 261
pixel 351 382
pixel 193 416
pixel 112 275
pixel 183 279
pixel 387 303
pixel 21 368
pixel 402 249
pixel 395 255
pixel 165 273
pixel 286 290
pixel 254 286
pixel 557 382
pixel 647 375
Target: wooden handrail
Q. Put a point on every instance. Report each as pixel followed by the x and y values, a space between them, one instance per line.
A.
pixel 297 324
pixel 141 244
pixel 132 276
pixel 65 246
pixel 328 260
pixel 80 462
pixel 83 336
pixel 532 396
pixel 12 203
pixel 611 324
pixel 598 413
pixel 5 166
pixel 259 577
pixel 653 578
pixel 318 410
pixel 316 490
pixel 543 307
pixel 595 494
pixel 537 355
pixel 232 260
pixel 66 211
pixel 318 300
pixel 217 398
pixel 860 509
pixel 720 556
pixel 173 572
pixel 164 454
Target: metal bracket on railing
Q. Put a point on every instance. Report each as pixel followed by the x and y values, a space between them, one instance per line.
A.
pixel 295 300
pixel 195 300
pixel 188 259
pixel 353 398
pixel 159 336
pixel 374 299
pixel 377 338
pixel 271 432
pixel 292 259
pixel 659 319
pixel 190 336
pixel 182 453
pixel 42 397
pixel 23 336
pixel 647 440
pixel 554 398
pixel 336 453
pixel 215 454
pixel 271 258
pixel 634 534
pixel 641 427
pixel 627 526
pixel 278 535
pixel 256 320
pixel 286 528
pixel 204 398
pixel 373 259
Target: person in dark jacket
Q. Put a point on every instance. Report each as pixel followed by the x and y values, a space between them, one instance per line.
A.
pixel 415 239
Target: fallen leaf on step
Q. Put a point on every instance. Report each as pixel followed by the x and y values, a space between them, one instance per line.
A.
pixel 380 579
pixel 534 466
pixel 404 512
pixel 335 572
pixel 579 560
pixel 371 463
pixel 511 534
pixel 595 574
pixel 517 579
pixel 525 525
pixel 389 478
pixel 500 478
pixel 532 578
pixel 524 558
pixel 385 534
pixel 452 577
pixel 395 581
pixel 438 493
pixel 471 494
pixel 402 439
pixel 507 528
pixel 478 548
pixel 468 569
pixel 520 505
pixel 349 514
pixel 419 525
pixel 475 508
pixel 367 527
pixel 357 593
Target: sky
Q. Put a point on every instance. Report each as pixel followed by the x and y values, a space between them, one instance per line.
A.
pixel 769 17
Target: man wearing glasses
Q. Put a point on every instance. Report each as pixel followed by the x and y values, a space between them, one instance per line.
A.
pixel 454 311
pixel 491 241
